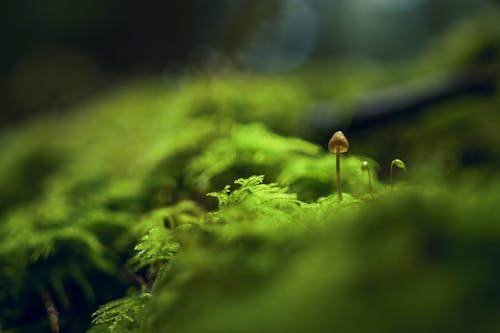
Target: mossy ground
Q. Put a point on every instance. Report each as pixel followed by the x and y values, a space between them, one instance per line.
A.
pixel 108 204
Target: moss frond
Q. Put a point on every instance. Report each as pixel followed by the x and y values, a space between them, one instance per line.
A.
pixel 158 245
pixel 249 147
pixel 122 315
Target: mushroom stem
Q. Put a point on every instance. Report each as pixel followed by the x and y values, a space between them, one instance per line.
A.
pixel 339 180
pixel 400 164
pixel 365 166
pixel 392 184
pixel 370 181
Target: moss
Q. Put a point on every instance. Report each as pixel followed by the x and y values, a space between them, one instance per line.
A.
pixel 108 205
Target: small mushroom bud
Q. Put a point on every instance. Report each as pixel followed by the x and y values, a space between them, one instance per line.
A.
pixel 400 164
pixel 338 144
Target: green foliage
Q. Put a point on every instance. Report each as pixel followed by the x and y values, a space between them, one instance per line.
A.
pixel 377 271
pixel 312 178
pixel 114 194
pixel 373 271
pixel 122 315
pixel 182 213
pixel 262 193
pixel 249 148
pixel 254 208
pixel 72 198
pixel 158 245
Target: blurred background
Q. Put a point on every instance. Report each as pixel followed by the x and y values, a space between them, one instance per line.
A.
pixel 56 53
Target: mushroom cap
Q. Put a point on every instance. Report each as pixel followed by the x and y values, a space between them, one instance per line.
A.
pixel 338 139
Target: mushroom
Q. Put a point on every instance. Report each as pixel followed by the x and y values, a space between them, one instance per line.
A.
pixel 400 164
pixel 338 144
pixel 365 166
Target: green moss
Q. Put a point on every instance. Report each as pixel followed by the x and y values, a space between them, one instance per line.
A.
pixel 381 269
pixel 107 206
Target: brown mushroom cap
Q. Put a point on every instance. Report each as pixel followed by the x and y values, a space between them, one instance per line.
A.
pixel 338 139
